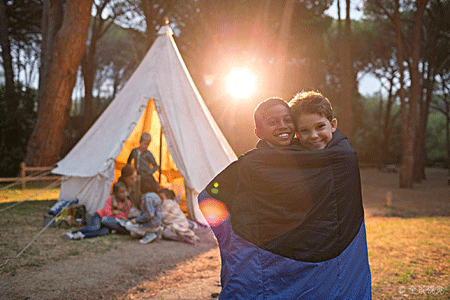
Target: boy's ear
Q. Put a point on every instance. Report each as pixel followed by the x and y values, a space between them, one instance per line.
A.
pixel 333 124
pixel 256 133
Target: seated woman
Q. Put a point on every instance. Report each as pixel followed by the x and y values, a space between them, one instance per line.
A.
pixel 175 224
pixel 129 176
pixel 117 207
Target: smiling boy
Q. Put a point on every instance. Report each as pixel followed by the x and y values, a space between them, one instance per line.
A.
pixel 273 122
pixel 314 120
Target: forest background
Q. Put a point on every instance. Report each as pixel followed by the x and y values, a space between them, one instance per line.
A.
pixel 65 60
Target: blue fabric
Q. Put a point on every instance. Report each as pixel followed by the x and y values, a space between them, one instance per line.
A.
pixel 112 224
pixel 95 229
pixel 151 215
pixel 304 205
pixel 249 272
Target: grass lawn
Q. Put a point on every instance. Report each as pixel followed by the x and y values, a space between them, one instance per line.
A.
pixel 21 222
pixel 34 191
pixel 409 256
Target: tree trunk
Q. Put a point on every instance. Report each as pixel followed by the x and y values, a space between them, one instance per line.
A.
pixel 281 49
pixel 70 43
pixel 52 17
pixel 405 161
pixel 345 106
pixel 387 124
pixel 6 49
pixel 447 140
pixel 419 170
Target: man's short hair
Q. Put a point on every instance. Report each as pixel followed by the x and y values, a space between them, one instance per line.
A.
pixel 311 102
pixel 265 105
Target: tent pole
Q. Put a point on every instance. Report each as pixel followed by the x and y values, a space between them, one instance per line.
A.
pixel 160 153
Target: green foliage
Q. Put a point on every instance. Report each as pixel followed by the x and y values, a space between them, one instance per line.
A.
pixel 435 141
pixel 17 118
pixel 369 137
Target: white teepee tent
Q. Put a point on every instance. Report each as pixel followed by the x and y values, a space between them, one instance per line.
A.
pixel 191 144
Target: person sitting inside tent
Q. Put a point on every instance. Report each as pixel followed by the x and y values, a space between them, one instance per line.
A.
pixel 175 224
pixel 117 207
pixel 143 160
pixel 148 224
pixel 128 175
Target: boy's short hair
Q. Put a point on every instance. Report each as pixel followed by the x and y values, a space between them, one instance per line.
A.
pixel 145 137
pixel 265 105
pixel 169 193
pixel 311 103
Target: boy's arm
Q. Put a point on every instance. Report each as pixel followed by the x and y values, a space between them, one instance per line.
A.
pixel 130 157
pixel 152 161
pixel 150 211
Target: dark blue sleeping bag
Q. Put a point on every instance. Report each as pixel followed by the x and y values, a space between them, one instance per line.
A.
pixel 293 225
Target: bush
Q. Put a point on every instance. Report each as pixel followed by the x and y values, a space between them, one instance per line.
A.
pixel 17 119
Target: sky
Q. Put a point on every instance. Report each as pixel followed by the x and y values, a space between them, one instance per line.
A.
pixel 368 83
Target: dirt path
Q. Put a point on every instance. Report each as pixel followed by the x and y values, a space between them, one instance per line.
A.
pixel 96 277
pixel 174 270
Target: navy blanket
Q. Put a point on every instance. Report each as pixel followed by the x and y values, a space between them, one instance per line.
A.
pixel 303 205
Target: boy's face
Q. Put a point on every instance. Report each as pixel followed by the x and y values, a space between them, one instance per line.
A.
pixel 315 131
pixel 276 126
pixel 143 145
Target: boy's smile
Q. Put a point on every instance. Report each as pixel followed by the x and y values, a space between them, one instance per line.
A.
pixel 315 131
pixel 276 126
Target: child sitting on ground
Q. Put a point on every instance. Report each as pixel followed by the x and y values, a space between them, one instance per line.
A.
pixel 148 224
pixel 117 207
pixel 175 224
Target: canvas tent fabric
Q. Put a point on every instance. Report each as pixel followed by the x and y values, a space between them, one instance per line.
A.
pixel 160 97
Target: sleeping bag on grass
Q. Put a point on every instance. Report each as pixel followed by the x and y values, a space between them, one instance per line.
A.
pixel 290 224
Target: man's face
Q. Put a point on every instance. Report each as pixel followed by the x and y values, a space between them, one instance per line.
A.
pixel 276 126
pixel 315 131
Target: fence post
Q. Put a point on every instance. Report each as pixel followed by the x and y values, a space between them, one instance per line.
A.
pixel 23 174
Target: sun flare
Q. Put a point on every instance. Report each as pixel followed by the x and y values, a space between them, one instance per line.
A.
pixel 240 83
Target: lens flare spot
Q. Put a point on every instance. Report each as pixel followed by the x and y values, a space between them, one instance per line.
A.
pixel 214 211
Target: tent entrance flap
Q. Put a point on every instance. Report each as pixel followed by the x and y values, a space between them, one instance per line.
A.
pixel 149 122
